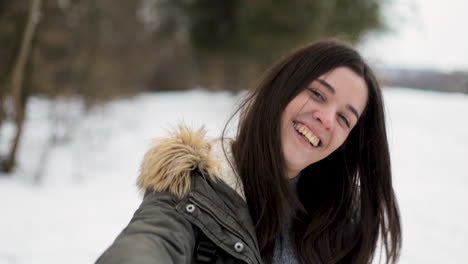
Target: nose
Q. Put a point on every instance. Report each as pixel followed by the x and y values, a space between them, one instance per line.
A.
pixel 325 118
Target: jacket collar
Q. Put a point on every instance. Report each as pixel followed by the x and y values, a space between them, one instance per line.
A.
pixel 174 163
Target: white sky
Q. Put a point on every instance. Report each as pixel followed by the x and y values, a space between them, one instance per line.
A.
pixel 431 34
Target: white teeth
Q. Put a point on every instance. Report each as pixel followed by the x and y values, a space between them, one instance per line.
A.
pixel 313 139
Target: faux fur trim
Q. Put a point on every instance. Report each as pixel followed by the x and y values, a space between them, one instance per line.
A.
pixel 227 173
pixel 167 165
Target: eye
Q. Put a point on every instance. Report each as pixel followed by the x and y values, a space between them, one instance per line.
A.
pixel 345 120
pixel 317 94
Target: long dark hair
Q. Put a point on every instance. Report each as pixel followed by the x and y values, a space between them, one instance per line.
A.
pixel 346 201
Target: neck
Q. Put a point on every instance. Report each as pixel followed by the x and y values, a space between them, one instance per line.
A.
pixel 292 174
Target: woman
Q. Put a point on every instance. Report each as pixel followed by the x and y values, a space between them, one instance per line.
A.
pixel 306 180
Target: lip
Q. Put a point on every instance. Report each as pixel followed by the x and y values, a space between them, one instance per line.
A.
pixel 313 131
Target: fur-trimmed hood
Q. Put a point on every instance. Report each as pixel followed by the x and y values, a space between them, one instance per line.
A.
pixel 179 206
pixel 168 164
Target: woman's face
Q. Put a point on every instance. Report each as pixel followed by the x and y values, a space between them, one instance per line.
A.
pixel 319 119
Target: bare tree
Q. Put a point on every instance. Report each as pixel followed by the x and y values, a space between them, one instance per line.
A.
pixel 17 87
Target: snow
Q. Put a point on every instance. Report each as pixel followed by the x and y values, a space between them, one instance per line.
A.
pixel 68 201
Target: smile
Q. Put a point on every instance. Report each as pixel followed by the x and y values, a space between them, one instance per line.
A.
pixel 307 134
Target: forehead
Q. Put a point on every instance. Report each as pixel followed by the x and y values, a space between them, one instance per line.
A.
pixel 350 88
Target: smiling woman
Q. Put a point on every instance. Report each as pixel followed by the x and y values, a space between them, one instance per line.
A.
pixel 307 178
pixel 318 120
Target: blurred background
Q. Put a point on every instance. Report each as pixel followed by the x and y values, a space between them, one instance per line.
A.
pixel 86 85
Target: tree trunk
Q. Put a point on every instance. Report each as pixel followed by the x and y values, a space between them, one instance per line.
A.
pixel 18 93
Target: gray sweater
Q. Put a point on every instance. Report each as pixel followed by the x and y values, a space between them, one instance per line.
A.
pixel 284 250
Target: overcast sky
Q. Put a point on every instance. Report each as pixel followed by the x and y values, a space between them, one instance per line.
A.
pixel 431 34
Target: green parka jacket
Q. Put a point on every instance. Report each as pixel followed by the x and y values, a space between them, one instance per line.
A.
pixel 191 193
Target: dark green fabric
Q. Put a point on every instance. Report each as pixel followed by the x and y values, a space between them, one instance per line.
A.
pixel 162 230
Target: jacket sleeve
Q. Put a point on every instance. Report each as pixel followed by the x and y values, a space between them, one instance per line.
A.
pixel 157 233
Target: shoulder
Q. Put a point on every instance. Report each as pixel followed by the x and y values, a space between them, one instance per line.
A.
pixel 169 163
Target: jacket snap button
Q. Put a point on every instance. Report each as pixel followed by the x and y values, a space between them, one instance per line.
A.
pixel 239 247
pixel 190 208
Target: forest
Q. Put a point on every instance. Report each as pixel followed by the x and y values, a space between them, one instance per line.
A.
pixel 96 51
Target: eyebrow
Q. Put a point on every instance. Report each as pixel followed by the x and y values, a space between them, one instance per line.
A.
pixel 353 110
pixel 327 85
pixel 333 91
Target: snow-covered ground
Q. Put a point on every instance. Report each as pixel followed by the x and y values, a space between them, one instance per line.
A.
pixel 86 190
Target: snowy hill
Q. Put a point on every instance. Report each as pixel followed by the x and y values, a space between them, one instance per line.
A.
pixel 86 190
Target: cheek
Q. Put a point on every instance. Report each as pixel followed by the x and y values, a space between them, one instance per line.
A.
pixel 297 104
pixel 338 141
